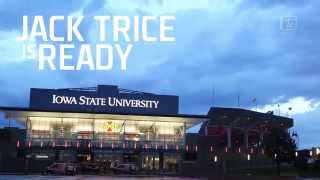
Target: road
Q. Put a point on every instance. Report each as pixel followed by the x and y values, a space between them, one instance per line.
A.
pixel 125 177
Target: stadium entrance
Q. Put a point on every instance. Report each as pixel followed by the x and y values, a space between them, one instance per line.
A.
pixel 150 135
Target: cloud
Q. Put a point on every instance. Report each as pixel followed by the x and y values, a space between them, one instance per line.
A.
pixel 11 12
pixel 223 49
pixel 10 48
pixel 298 105
pixel 307 125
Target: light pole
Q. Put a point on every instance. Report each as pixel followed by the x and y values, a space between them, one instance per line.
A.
pixel 290 108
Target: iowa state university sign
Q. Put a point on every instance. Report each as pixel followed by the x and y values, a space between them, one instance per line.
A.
pixel 108 100
pixel 104 101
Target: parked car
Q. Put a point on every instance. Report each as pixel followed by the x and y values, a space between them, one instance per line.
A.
pixel 89 167
pixel 62 169
pixel 124 168
pixel 94 167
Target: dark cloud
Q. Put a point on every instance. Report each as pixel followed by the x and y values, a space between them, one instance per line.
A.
pixel 11 14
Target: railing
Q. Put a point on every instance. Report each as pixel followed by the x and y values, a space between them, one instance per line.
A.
pixel 100 144
pixel 215 150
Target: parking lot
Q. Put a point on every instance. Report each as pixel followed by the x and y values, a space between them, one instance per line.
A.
pixel 85 177
pixel 136 177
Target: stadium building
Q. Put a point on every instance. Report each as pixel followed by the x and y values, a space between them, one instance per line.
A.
pixel 107 124
pixel 104 124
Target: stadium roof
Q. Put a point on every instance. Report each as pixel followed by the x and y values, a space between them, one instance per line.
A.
pixel 243 118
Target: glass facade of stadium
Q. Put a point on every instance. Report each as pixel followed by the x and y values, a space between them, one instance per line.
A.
pixel 151 141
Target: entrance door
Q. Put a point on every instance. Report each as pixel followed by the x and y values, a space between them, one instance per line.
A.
pixel 150 161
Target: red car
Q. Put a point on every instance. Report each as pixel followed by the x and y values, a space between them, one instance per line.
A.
pixel 62 169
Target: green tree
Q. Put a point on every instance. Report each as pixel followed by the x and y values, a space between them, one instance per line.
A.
pixel 280 145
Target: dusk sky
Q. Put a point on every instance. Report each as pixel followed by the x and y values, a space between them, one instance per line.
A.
pixel 223 49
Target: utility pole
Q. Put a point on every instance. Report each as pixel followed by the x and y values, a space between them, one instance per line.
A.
pixel 254 101
pixel 213 96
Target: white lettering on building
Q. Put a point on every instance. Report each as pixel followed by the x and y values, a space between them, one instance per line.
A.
pixel 105 101
pixel 63 99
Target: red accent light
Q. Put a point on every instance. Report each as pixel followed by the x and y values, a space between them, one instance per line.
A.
pixel 18 144
pixel 187 148
pixel 29 144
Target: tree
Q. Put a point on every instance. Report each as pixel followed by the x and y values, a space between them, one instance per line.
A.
pixel 279 144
